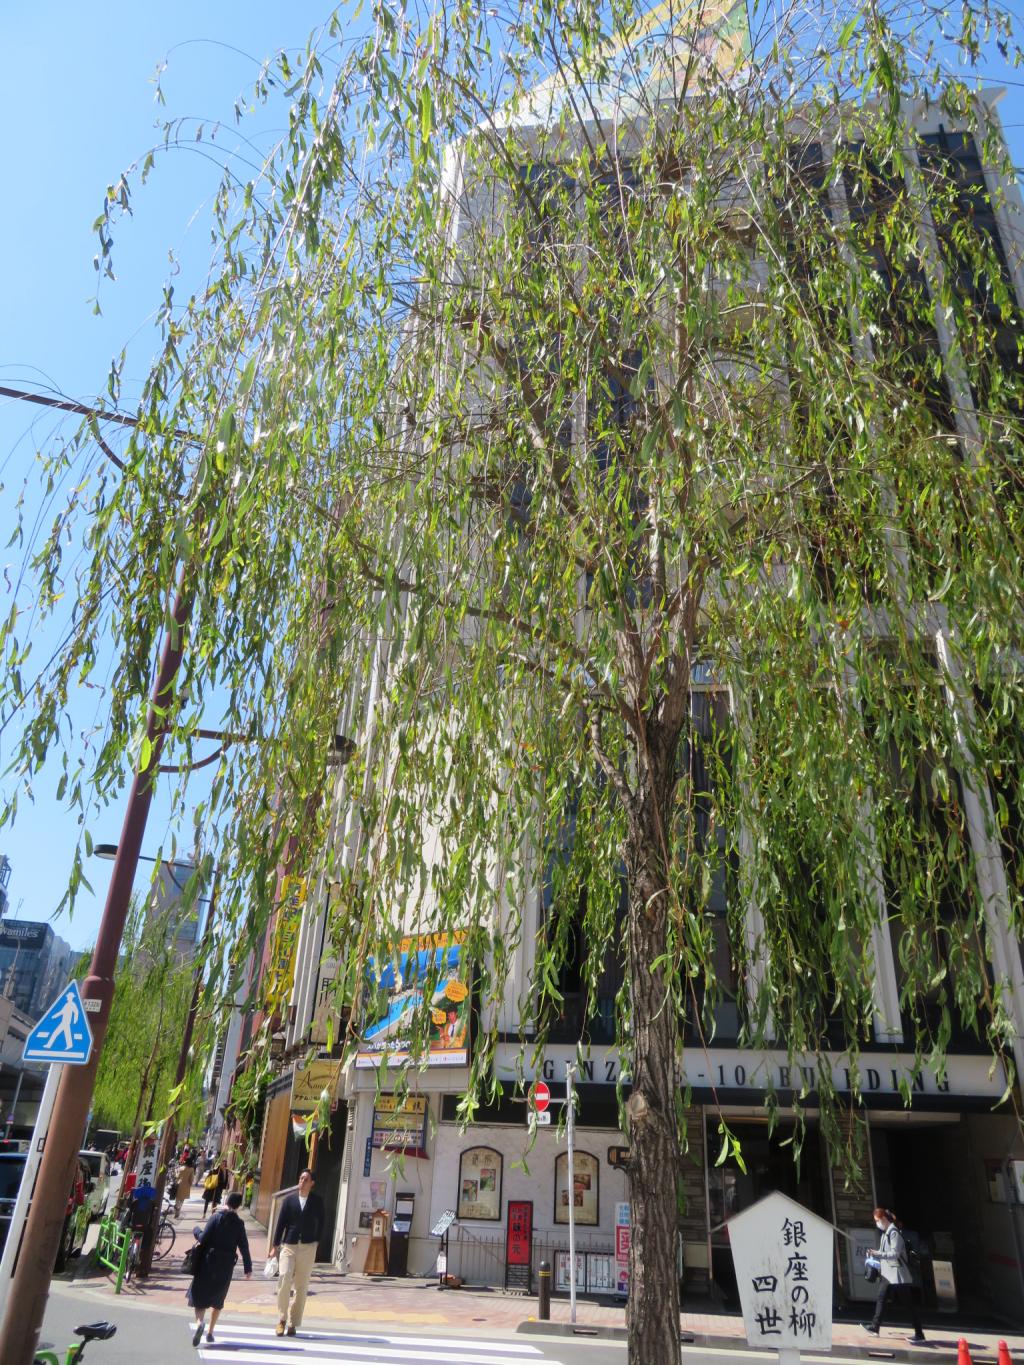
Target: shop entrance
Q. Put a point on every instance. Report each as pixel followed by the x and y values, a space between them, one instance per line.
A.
pixel 922 1173
pixel 329 1153
pixel 770 1165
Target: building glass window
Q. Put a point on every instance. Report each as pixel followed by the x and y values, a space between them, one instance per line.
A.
pixel 927 866
pixel 580 1019
pixel 713 1006
pixel 951 162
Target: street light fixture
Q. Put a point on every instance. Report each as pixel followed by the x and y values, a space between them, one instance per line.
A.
pixel 26 1303
pixel 169 1135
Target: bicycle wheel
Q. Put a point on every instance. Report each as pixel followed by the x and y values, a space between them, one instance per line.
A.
pixel 133 1258
pixel 164 1241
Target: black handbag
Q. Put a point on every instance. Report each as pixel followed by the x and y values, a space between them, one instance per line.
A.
pixel 191 1259
pixel 871 1272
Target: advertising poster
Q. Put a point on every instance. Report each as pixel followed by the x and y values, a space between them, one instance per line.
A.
pixel 400 1125
pixel 674 42
pixel 585 1189
pixel 431 965
pixel 374 1197
pixel 480 1184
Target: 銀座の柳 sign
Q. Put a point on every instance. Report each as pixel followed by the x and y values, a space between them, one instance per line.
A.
pixel 782 1254
pixel 425 971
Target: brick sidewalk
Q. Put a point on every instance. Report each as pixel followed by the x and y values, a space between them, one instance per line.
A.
pixel 335 1297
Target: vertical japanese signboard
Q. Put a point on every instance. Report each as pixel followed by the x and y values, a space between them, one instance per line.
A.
pixel 281 968
pixel 519 1244
pixel 783 1258
pixel 623 1236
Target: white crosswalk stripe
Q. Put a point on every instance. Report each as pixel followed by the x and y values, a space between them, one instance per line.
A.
pixel 247 1345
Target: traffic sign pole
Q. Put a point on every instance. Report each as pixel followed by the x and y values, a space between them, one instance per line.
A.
pixel 570 1072
pixel 28 1179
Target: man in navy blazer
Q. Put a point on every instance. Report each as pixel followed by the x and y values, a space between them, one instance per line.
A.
pixel 300 1225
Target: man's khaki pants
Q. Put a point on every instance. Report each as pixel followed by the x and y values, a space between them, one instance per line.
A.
pixel 296 1264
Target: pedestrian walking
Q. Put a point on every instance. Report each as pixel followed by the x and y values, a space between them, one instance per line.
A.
pixel 896 1276
pixel 186 1179
pixel 211 1192
pixel 223 1181
pixel 223 1238
pixel 299 1227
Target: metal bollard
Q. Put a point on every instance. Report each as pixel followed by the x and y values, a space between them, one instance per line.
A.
pixel 544 1291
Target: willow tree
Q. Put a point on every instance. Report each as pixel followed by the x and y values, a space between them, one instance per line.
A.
pixel 137 1068
pixel 556 359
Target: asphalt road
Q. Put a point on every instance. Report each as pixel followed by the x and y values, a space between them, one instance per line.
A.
pixel 147 1334
pixel 163 1336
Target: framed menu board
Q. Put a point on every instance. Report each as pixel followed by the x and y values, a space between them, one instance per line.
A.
pixel 585 1194
pixel 480 1173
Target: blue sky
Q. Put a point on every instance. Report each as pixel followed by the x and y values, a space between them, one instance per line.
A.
pixel 77 107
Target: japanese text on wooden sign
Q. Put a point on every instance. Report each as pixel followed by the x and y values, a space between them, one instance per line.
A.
pixel 783 1258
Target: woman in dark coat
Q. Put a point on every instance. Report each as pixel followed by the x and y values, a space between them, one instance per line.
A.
pixel 222 1240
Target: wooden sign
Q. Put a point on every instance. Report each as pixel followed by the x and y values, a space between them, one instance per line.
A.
pixel 377 1256
pixel 783 1258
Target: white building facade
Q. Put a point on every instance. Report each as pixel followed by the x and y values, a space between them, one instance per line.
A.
pixel 951 1161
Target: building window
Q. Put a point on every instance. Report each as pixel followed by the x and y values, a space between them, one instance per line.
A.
pixel 934 907
pixel 952 166
pixel 713 1004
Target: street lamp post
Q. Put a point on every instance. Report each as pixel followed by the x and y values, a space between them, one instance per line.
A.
pixel 26 1303
pixel 168 1135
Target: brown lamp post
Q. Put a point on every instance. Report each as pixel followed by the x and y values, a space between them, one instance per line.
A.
pixel 23 1316
pixel 169 1134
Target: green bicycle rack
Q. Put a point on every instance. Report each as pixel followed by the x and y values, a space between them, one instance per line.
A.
pixel 112 1249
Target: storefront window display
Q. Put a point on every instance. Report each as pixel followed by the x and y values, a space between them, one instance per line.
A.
pixel 586 1171
pixel 480 1173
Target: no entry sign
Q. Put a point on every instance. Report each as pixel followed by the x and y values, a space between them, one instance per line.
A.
pixel 541 1096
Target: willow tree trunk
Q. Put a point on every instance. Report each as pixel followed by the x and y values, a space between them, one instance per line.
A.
pixel 653 1308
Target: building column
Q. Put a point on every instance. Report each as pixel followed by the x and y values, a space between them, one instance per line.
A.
pixel 851 1186
pixel 1004 950
pixel 694 1227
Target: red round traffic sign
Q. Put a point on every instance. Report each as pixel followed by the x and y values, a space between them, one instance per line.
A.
pixel 541 1096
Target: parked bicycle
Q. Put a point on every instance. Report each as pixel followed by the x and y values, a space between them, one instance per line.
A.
pixel 93 1331
pixel 163 1242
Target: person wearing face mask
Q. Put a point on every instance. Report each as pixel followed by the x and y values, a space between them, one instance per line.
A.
pixel 897 1278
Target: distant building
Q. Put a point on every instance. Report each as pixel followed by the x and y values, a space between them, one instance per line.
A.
pixel 20 1086
pixel 34 964
pixel 169 908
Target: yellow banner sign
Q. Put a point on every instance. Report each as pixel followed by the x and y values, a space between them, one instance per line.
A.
pixel 281 969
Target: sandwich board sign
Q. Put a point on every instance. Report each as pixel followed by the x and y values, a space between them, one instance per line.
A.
pixel 63 1034
pixel 783 1258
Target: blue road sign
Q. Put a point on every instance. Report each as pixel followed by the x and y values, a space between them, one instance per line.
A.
pixel 63 1034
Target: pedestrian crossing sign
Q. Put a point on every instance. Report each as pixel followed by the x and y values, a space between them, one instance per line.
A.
pixel 63 1034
